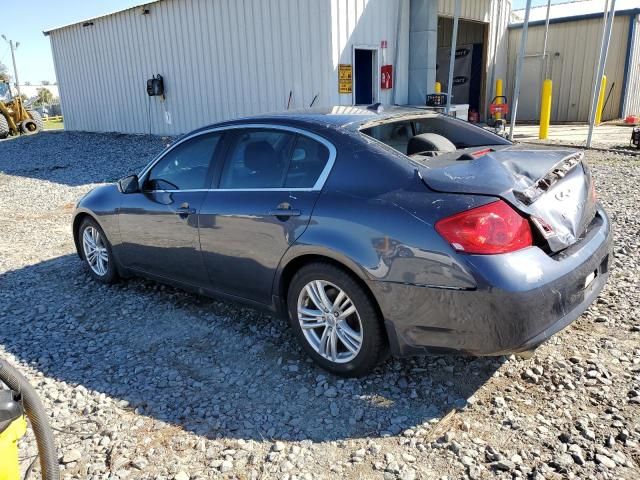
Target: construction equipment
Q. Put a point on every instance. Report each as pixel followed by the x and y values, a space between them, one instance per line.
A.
pixel 15 119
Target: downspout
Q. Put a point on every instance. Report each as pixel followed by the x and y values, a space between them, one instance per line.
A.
pixel 627 64
pixel 396 51
pixel 490 92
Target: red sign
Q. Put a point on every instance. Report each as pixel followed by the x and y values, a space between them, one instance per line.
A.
pixel 386 77
pixel 383 44
pixel 499 108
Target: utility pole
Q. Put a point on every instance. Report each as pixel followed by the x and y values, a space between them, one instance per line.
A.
pixel 516 89
pixel 606 38
pixel 452 58
pixel 13 48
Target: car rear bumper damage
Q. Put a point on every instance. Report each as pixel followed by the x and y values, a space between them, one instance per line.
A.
pixel 522 299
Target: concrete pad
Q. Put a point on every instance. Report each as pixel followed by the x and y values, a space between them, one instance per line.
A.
pixel 604 136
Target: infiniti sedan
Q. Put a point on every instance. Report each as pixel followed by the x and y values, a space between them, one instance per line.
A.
pixel 375 231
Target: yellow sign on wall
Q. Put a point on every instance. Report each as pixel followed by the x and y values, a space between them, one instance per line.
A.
pixel 345 78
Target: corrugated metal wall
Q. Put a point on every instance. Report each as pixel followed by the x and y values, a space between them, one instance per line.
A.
pixel 632 98
pixel 219 59
pixel 574 47
pixel 478 10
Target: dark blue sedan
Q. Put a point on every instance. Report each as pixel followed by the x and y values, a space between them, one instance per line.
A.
pixel 374 230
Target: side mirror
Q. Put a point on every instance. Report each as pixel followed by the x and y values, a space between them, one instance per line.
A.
pixel 129 184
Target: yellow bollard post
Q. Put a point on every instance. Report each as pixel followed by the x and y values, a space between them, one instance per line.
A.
pixel 438 87
pixel 545 109
pixel 601 100
pixel 498 115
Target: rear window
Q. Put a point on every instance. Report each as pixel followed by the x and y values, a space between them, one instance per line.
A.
pixel 397 134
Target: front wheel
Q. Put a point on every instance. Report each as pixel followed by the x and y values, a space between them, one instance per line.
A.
pixel 96 252
pixel 37 119
pixel 335 320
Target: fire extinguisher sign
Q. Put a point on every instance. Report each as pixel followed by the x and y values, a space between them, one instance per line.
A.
pixel 386 77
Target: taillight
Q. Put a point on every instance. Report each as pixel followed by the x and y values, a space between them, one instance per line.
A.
pixel 489 229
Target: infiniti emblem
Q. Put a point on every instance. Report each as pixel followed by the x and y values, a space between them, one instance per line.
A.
pixel 563 195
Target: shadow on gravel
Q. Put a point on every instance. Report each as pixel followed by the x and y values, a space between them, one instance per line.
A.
pixel 78 158
pixel 217 369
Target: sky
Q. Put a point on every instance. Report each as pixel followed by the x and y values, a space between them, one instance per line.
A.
pixel 33 56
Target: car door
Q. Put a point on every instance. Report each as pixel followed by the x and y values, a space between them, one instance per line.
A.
pixel 159 225
pixel 266 191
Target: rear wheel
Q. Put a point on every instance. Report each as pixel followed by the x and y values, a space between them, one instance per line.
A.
pixel 37 118
pixel 335 320
pixel 96 252
pixel 4 127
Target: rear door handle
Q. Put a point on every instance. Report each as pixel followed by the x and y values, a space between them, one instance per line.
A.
pixel 285 212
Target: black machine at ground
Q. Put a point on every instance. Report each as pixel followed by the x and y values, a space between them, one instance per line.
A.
pixel 498 110
pixel 635 137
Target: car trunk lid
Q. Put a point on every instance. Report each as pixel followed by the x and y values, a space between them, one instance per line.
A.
pixel 553 188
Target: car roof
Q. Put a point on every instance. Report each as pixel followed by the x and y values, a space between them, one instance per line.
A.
pixel 340 116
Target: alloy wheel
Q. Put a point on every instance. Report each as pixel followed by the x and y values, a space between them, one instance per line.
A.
pixel 330 321
pixel 95 251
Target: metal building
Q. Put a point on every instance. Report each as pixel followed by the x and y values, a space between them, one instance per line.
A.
pixel 574 38
pixel 227 58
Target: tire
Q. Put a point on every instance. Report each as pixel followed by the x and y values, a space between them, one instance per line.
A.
pixel 365 321
pixel 103 272
pixel 37 118
pixel 29 127
pixel 4 127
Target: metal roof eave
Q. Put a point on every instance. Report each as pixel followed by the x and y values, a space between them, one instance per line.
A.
pixel 88 20
pixel 586 16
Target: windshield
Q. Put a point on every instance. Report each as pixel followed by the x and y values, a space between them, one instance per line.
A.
pixel 397 133
pixel 4 91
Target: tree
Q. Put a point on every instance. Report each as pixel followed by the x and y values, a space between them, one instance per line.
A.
pixel 44 96
pixel 45 82
pixel 28 84
pixel 4 73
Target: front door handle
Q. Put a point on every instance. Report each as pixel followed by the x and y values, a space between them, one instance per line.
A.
pixel 184 211
pixel 285 212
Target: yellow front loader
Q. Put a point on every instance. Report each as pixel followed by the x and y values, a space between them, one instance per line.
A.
pixel 14 117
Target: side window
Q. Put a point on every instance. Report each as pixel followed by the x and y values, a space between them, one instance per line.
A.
pixel 186 166
pixel 307 162
pixel 259 159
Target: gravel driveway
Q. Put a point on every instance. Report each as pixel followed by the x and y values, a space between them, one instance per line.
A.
pixel 170 385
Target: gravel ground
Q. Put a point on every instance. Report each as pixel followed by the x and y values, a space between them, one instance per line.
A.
pixel 146 381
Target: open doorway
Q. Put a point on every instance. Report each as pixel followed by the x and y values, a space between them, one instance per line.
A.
pixel 365 75
pixel 469 72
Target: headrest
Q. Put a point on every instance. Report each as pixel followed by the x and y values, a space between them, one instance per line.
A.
pixel 429 142
pixel 259 156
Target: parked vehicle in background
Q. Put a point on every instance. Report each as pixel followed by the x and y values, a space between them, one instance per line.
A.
pixel 374 230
